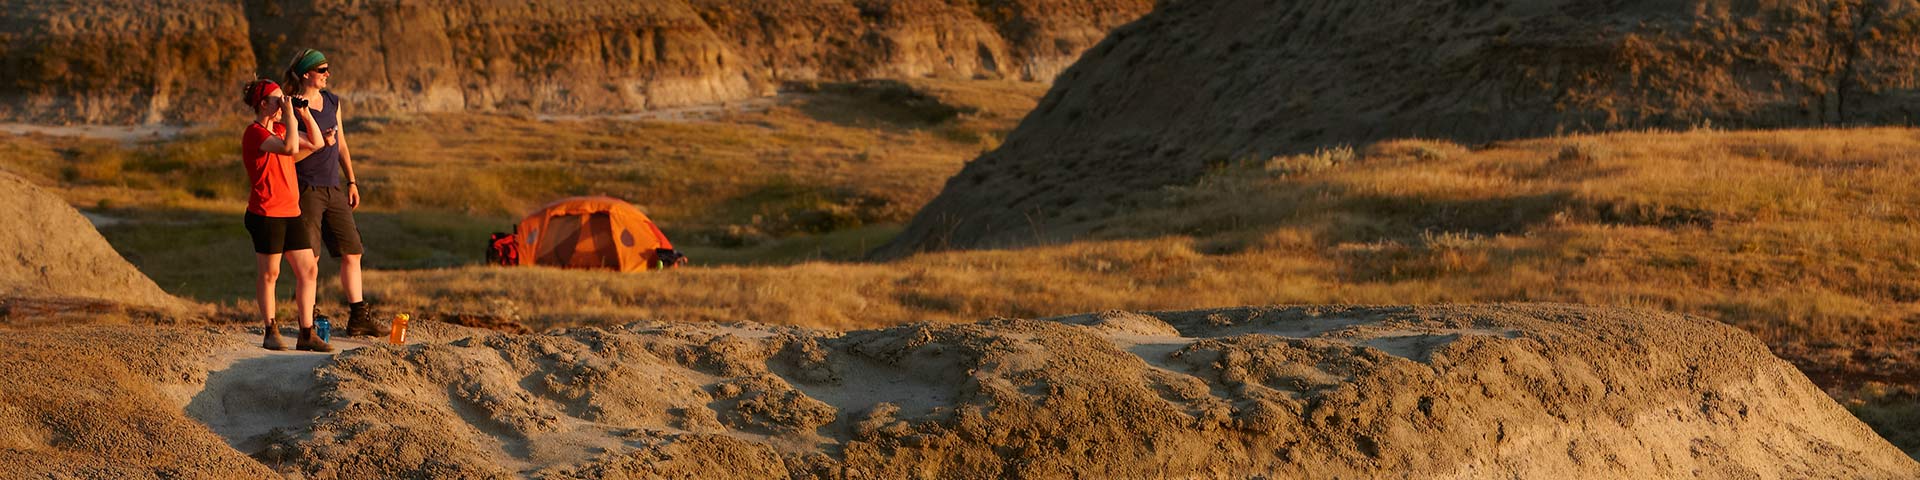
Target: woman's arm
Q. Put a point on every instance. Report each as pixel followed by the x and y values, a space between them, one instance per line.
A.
pixel 291 144
pixel 346 158
pixel 313 140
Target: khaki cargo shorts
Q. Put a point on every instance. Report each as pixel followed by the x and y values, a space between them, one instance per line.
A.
pixel 330 220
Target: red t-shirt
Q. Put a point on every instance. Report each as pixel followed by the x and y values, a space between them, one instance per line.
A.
pixel 276 191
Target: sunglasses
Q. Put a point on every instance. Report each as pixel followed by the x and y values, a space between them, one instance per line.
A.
pixel 320 70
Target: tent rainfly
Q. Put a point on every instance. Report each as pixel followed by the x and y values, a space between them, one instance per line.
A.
pixel 595 232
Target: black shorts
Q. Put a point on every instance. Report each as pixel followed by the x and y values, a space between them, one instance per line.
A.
pixel 330 220
pixel 272 235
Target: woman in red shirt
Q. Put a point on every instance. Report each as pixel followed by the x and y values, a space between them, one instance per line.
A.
pixel 268 150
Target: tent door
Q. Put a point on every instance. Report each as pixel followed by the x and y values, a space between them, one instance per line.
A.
pixel 579 241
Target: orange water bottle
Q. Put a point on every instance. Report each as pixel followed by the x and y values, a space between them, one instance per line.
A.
pixel 399 336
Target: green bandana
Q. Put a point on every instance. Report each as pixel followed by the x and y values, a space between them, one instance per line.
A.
pixel 308 61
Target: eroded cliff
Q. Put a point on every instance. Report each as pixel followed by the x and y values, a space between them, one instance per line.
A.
pixel 119 62
pixel 1196 85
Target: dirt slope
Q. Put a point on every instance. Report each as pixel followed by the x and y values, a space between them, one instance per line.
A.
pixel 119 62
pixel 55 262
pixel 95 403
pixel 1201 84
pixel 1527 391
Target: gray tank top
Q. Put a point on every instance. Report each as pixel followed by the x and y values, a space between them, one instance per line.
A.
pixel 322 169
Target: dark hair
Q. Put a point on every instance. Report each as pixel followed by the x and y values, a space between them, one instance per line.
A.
pixel 296 80
pixel 254 92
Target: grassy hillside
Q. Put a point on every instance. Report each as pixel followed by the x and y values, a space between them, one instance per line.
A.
pixel 826 171
pixel 1806 238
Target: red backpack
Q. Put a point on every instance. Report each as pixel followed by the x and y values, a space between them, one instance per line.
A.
pixel 504 249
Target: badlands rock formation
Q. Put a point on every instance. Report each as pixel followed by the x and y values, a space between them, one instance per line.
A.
pixel 1518 391
pixel 53 262
pixel 1200 84
pixel 119 61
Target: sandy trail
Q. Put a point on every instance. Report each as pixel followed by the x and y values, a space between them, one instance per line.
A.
pixel 691 113
pixel 252 394
pixel 121 133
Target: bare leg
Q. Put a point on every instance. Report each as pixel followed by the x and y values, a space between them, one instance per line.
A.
pixel 306 271
pixel 268 265
pixel 350 277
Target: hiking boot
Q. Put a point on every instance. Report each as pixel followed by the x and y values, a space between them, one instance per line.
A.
pixel 311 342
pixel 360 322
pixel 272 340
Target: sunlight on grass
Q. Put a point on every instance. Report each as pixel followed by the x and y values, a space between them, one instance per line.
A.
pixel 825 175
pixel 1813 254
pixel 1806 238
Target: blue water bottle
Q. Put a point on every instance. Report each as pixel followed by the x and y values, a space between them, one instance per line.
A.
pixel 322 327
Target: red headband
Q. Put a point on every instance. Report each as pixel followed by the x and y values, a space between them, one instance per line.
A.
pixel 259 90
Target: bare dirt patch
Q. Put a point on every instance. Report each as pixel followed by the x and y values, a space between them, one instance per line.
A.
pixel 1525 390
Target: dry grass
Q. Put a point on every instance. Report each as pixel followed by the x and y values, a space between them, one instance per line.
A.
pixel 1806 238
pixel 1892 410
pixel 822 174
pixel 842 156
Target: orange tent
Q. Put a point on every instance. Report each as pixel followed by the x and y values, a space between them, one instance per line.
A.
pixel 590 232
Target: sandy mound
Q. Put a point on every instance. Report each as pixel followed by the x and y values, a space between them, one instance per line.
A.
pixel 56 263
pixel 119 402
pixel 1194 85
pixel 98 402
pixel 1311 392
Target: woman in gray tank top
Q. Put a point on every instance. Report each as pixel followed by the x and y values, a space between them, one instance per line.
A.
pixel 328 190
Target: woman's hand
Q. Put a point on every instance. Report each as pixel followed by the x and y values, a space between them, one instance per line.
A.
pixel 314 139
pixel 353 195
pixel 293 129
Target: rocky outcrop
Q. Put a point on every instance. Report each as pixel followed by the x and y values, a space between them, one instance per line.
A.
pixel 1510 391
pixel 1201 84
pixel 116 61
pixel 121 62
pixel 451 55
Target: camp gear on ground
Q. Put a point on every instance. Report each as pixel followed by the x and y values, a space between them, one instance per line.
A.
pixel 596 232
pixel 668 258
pixel 399 336
pixel 323 326
pixel 272 340
pixel 360 321
pixel 311 342
pixel 503 249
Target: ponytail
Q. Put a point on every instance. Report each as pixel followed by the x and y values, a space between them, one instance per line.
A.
pixel 297 69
